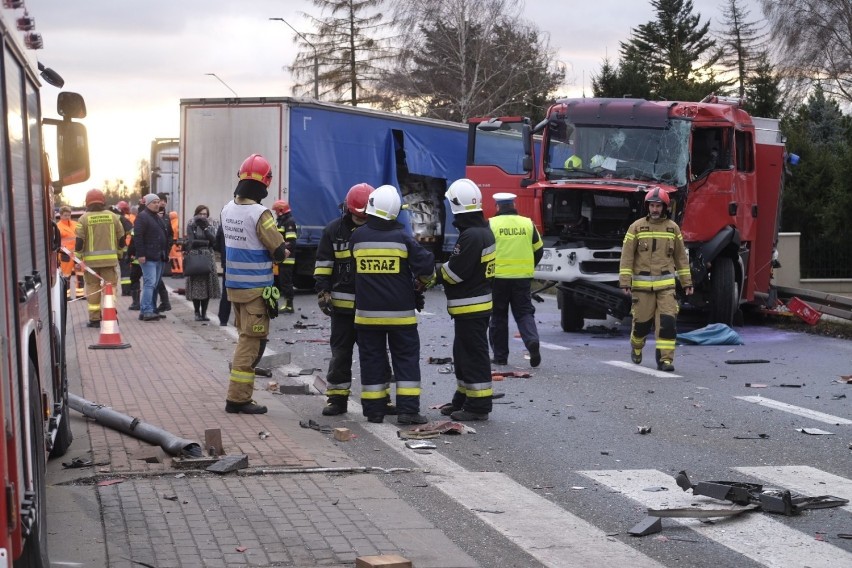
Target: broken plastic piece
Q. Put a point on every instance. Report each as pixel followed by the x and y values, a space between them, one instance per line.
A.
pixel 648 525
pixel 644 429
pixel 756 385
pixel 77 462
pixel 439 360
pixel 420 445
pixel 746 361
pixel 814 432
pixel 695 513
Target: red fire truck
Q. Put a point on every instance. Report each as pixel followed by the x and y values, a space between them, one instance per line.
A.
pixel 582 175
pixel 33 380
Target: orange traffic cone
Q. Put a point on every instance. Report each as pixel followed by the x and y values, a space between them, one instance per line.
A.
pixel 110 337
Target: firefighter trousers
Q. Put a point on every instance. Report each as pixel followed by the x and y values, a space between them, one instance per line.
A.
pixel 252 322
pixel 404 344
pixel 342 340
pixel 472 365
pixel 94 288
pixel 658 308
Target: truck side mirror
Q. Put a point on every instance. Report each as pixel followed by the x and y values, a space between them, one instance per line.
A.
pixel 72 146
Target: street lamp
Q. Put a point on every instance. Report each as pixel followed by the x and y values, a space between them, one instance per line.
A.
pixel 316 58
pixel 223 82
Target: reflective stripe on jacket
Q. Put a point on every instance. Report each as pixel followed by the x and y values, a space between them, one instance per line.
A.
pixel 467 274
pixel 653 256
pixel 517 241
pixel 334 270
pixel 248 263
pixel 101 233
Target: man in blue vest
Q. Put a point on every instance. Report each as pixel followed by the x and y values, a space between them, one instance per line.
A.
pixel 519 249
pixel 252 244
pixel 389 264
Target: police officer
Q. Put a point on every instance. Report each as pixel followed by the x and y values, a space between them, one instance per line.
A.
pixel 284 279
pixel 388 265
pixel 252 244
pixel 652 258
pixel 334 273
pixel 519 249
pixel 467 279
pixel 99 243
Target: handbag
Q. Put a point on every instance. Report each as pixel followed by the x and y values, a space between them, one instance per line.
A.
pixel 197 265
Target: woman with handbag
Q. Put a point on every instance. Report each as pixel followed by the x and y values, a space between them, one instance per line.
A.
pixel 202 283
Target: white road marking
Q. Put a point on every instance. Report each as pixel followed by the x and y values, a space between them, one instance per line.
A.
pixel 544 530
pixel 754 535
pixel 797 410
pixel 803 479
pixel 546 345
pixel 643 370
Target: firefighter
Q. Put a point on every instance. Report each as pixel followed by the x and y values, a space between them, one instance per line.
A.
pixel 252 244
pixel 99 243
pixel 653 257
pixel 68 234
pixel 124 262
pixel 284 277
pixel 388 265
pixel 519 249
pixel 334 273
pixel 467 279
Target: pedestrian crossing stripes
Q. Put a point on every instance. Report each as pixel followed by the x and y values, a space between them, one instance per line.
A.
pixel 797 410
pixel 803 479
pixel 644 370
pixel 759 537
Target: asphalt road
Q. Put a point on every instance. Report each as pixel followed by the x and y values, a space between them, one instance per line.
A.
pixel 560 473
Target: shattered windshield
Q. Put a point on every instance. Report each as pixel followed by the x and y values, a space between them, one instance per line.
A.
pixel 642 154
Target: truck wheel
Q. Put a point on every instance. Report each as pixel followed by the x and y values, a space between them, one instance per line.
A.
pixel 723 292
pixel 34 554
pixel 64 437
pixel 571 313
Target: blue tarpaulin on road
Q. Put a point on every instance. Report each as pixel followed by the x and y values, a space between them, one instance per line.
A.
pixel 713 334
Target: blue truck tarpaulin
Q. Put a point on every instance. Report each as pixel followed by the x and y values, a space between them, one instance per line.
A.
pixel 713 334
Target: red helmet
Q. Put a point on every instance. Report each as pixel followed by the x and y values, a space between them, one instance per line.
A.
pixel 257 168
pixel 657 195
pixel 281 207
pixel 123 206
pixel 356 199
pixel 95 196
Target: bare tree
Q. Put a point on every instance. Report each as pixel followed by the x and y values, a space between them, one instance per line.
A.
pixel 463 58
pixel 814 42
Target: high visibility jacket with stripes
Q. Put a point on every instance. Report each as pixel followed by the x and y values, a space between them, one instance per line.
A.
pixel 653 256
pixel 519 246
pixel 101 235
pixel 467 274
pixel 387 262
pixel 287 227
pixel 248 261
pixel 334 270
pixel 68 233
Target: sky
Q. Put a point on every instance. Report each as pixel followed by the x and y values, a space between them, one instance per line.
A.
pixel 133 61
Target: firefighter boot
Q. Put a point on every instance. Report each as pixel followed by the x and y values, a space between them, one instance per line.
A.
pixel 335 406
pixel 250 407
pixel 134 305
pixel 665 365
pixel 636 356
pixel 286 307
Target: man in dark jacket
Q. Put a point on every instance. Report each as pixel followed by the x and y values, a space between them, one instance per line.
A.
pixel 467 279
pixel 152 245
pixel 388 265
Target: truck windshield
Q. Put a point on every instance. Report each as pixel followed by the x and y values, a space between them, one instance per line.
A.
pixel 644 154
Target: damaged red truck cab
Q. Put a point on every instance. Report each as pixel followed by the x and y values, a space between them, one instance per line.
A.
pixel 582 175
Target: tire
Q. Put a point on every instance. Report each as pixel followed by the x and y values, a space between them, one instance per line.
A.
pixel 724 296
pixel 571 315
pixel 35 553
pixel 64 437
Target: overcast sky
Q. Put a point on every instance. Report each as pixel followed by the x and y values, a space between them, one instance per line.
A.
pixel 133 61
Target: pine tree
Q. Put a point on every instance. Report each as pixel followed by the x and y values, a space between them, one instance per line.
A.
pixel 741 42
pixel 763 91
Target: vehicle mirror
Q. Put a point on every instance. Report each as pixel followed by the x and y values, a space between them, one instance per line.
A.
pixel 72 148
pixel 71 105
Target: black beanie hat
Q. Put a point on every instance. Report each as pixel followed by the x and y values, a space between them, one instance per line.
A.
pixel 251 189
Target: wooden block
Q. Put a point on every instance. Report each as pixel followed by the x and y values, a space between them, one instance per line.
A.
pixel 213 442
pixel 342 434
pixel 383 561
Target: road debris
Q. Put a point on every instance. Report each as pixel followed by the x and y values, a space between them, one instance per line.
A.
pixel 263 435
pixel 420 445
pixel 648 525
pixel 500 375
pixel 342 434
pixel 77 462
pixel 756 385
pixel 758 437
pixel 746 361
pixel 435 429
pixel 644 429
pixel 313 425
pixel 814 432
pixel 439 360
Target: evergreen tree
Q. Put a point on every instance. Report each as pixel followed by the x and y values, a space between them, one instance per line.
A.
pixel 741 42
pixel 763 91
pixel 348 52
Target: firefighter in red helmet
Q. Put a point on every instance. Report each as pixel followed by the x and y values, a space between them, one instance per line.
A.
pixel 334 274
pixel 653 259
pixel 99 244
pixel 252 245
pixel 284 277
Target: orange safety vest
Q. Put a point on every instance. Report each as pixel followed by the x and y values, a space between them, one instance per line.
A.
pixel 68 233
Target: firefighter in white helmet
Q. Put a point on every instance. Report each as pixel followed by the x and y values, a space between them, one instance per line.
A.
pixel 467 277
pixel 653 258
pixel 388 265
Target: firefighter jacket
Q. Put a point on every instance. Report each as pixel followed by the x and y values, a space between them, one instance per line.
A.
pixel 467 274
pixel 100 238
pixel 287 227
pixel 387 262
pixel 334 270
pixel 252 242
pixel 150 238
pixel 519 246
pixel 653 255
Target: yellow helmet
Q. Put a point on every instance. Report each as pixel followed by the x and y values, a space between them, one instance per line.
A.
pixel 574 163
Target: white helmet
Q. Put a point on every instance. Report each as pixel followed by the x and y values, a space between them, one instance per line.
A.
pixel 384 203
pixel 464 197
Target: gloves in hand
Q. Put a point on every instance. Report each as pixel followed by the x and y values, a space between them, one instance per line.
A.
pixel 419 300
pixel 324 302
pixel 270 297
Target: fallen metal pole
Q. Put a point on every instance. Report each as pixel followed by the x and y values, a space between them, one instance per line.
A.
pixel 135 427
